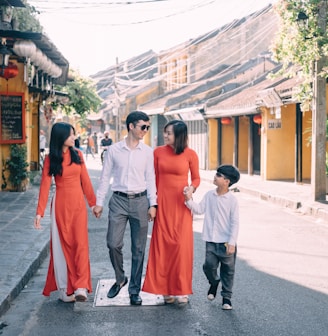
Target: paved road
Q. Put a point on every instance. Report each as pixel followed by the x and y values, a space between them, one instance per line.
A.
pixel 281 285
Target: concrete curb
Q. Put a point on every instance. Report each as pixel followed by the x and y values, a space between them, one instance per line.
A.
pixel 30 269
pixel 313 210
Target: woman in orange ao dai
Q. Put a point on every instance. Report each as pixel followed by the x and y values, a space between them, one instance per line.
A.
pixel 69 267
pixel 170 261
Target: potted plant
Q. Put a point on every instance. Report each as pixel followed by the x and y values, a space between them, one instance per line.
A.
pixel 17 167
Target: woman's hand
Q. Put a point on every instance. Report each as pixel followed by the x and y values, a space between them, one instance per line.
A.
pixel 37 222
pixel 97 210
pixel 188 191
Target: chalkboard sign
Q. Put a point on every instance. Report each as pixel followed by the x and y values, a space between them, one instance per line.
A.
pixel 12 118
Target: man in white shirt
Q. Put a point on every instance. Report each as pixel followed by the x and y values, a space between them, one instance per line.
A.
pixel 131 165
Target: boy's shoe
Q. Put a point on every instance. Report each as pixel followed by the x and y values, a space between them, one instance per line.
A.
pixel 211 294
pixel 226 304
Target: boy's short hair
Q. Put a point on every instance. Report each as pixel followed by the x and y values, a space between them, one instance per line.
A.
pixel 230 172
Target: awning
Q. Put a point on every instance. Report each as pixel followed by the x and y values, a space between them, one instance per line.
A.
pixel 270 98
pixel 219 113
pixel 188 113
pixel 155 111
pixel 95 116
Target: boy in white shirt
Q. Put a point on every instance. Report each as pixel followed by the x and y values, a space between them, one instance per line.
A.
pixel 220 231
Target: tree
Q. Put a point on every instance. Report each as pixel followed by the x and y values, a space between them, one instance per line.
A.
pixel 81 91
pixel 298 48
pixel 82 95
pixel 303 50
pixel 27 18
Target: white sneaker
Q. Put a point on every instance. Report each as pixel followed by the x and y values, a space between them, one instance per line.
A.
pixel 64 297
pixel 81 294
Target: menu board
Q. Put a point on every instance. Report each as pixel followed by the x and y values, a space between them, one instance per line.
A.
pixel 12 118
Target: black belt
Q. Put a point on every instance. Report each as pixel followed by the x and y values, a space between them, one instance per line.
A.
pixel 119 193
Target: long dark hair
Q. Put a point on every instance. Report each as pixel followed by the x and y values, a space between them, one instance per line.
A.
pixel 59 134
pixel 180 131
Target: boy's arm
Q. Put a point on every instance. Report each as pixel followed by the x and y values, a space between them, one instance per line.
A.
pixel 234 224
pixel 196 208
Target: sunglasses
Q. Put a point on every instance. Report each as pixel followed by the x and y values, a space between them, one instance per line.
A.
pixel 144 127
pixel 220 175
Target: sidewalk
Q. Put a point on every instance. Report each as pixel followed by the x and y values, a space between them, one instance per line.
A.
pixel 295 196
pixel 23 249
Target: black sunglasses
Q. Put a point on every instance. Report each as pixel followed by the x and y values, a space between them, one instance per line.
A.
pixel 220 175
pixel 144 127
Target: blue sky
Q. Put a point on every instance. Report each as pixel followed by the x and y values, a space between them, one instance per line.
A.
pixel 91 34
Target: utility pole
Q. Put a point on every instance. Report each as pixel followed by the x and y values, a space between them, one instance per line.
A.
pixel 117 106
pixel 319 117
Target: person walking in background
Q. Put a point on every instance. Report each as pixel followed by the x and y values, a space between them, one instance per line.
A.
pixel 104 143
pixel 90 146
pixel 131 165
pixel 42 146
pixel 95 142
pixel 170 261
pixel 77 142
pixel 220 231
pixel 69 266
pixel 42 142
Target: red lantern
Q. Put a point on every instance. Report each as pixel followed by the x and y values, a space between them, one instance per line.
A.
pixel 257 119
pixel 226 120
pixel 10 71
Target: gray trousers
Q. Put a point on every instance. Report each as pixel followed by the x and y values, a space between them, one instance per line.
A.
pixel 122 210
pixel 216 257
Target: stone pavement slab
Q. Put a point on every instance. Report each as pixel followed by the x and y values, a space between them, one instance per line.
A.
pixel 122 299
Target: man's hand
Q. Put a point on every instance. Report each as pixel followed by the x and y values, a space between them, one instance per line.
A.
pixel 97 211
pixel 151 213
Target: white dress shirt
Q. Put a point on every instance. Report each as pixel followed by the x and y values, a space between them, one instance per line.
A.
pixel 221 220
pixel 132 171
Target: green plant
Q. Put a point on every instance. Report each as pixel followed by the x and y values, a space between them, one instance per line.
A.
pixel 298 48
pixel 3 176
pixel 17 167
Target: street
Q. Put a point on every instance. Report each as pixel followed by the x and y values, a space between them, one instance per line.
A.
pixel 281 284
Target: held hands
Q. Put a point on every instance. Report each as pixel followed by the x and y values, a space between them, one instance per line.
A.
pixel 188 191
pixel 97 210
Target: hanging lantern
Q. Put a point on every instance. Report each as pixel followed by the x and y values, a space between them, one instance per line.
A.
pixel 257 119
pixel 226 120
pixel 10 71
